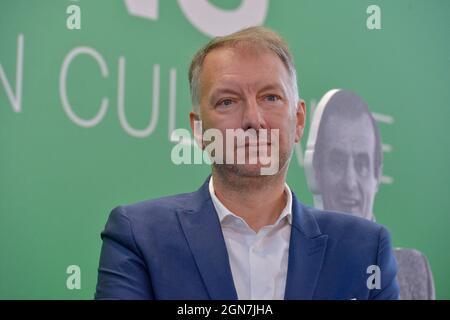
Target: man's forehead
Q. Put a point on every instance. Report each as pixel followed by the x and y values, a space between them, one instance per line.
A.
pixel 226 65
pixel 345 132
pixel 343 122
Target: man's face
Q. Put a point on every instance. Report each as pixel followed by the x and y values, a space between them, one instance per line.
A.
pixel 346 171
pixel 249 89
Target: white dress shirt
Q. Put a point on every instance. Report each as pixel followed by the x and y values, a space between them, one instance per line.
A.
pixel 258 261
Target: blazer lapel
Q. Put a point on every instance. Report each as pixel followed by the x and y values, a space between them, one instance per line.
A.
pixel 201 227
pixel 306 253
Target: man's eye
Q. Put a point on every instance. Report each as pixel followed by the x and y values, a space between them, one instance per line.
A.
pixel 362 164
pixel 272 97
pixel 225 102
pixel 337 161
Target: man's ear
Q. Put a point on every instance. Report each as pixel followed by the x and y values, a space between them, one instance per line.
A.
pixel 380 174
pixel 300 114
pixel 196 127
pixel 193 117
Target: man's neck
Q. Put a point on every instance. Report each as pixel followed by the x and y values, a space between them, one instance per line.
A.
pixel 258 200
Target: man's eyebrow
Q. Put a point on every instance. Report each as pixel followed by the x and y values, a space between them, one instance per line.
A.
pixel 338 151
pixel 273 86
pixel 364 154
pixel 235 91
pixel 223 90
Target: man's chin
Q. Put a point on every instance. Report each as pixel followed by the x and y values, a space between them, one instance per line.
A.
pixel 242 170
pixel 247 170
pixel 356 211
pixel 340 207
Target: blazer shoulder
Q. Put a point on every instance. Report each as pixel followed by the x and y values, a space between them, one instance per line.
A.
pixel 345 224
pixel 155 210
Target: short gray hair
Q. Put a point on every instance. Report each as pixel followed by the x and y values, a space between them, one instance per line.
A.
pixel 256 37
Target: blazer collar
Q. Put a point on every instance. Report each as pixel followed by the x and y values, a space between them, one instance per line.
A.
pixel 306 254
pixel 201 227
pixel 202 230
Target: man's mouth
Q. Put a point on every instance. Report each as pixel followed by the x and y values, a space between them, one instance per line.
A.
pixel 349 202
pixel 259 144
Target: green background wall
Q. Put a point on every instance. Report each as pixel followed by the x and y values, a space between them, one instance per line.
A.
pixel 59 181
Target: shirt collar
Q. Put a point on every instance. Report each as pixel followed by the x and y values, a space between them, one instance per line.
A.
pixel 224 213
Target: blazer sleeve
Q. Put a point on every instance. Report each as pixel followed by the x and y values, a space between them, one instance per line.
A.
pixel 388 269
pixel 122 272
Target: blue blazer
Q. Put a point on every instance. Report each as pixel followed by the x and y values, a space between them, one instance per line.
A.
pixel 173 248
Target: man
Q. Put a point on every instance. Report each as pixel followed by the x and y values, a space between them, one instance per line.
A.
pixel 243 234
pixel 344 169
pixel 347 160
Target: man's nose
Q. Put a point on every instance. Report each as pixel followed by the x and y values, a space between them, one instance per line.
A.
pixel 251 116
pixel 350 176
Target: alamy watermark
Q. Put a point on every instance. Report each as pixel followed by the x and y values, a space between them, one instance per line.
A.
pixel 73 21
pixel 73 281
pixel 373 21
pixel 235 147
pixel 374 280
